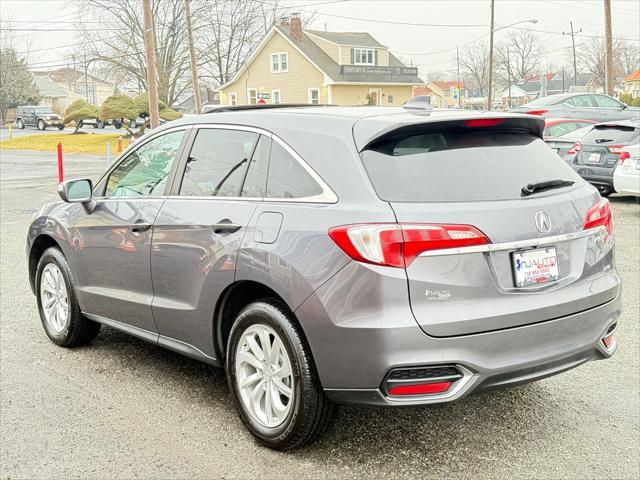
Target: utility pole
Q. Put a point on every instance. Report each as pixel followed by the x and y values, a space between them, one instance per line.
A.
pixel 86 79
pixel 490 93
pixel 150 48
pixel 573 42
pixel 509 74
pixel 609 76
pixel 458 62
pixel 192 55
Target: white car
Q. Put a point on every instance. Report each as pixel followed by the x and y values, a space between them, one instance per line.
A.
pixel 626 177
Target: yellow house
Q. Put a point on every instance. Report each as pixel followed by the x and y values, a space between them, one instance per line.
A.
pixel 632 84
pixel 292 65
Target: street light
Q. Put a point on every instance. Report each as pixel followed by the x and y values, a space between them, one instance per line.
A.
pixel 492 31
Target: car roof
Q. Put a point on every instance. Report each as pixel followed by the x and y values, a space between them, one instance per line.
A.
pixel 364 123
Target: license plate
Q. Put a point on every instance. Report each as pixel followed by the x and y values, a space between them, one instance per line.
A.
pixel 536 266
pixel 593 158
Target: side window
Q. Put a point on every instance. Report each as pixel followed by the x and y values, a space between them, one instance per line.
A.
pixel 144 172
pixel 255 182
pixel 287 178
pixel 606 102
pixel 217 163
pixel 581 101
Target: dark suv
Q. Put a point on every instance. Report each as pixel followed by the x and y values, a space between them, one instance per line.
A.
pixel 600 150
pixel 39 117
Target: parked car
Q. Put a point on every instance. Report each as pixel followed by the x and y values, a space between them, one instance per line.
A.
pixel 98 123
pixel 555 127
pixel 327 255
pixel 590 106
pixel 626 176
pixel 600 150
pixel 39 117
pixel 564 144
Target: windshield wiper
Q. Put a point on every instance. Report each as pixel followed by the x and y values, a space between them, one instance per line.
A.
pixel 604 140
pixel 531 188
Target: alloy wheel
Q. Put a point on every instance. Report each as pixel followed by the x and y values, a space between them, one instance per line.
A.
pixel 264 375
pixel 54 298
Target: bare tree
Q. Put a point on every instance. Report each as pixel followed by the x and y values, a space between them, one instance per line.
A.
pixel 524 59
pixel 228 32
pixel 434 75
pixel 591 56
pixel 118 45
pixel 474 65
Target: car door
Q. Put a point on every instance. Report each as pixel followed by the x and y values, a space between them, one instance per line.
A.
pixel 199 229
pixel 582 106
pixel 609 108
pixel 30 116
pixel 114 241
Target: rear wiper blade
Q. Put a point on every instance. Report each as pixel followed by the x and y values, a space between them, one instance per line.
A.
pixel 531 188
pixel 604 140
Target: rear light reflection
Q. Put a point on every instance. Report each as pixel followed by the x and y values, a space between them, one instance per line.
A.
pixel 537 112
pixel 599 215
pixel 397 245
pixel 420 389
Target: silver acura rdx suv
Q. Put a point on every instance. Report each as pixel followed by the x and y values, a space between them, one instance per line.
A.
pixel 327 255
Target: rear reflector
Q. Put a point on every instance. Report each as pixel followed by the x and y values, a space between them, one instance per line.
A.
pixel 607 341
pixel 575 148
pixel 483 122
pixel 599 215
pixel 420 389
pixel 537 112
pixel 397 245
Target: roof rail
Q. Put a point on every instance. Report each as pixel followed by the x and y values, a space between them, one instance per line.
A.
pixel 236 108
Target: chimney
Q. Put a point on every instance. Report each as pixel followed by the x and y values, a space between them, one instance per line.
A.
pixel 295 26
pixel 284 22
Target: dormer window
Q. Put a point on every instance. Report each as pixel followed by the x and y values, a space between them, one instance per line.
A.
pixel 364 56
pixel 279 62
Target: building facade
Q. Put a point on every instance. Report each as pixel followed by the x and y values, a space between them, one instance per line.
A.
pixel 292 65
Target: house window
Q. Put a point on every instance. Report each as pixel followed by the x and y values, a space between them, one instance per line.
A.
pixel 361 56
pixel 233 99
pixel 252 96
pixel 314 96
pixel 279 62
pixel 275 96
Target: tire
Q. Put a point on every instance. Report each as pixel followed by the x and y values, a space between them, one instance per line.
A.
pixel 133 124
pixel 100 124
pixel 20 124
pixel 308 412
pixel 60 127
pixel 72 329
pixel 41 125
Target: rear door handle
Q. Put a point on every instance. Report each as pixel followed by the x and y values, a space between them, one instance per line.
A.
pixel 140 227
pixel 225 226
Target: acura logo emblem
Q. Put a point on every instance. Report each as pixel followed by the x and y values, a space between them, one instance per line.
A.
pixel 543 222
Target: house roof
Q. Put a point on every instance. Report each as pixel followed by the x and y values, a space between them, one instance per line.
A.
pixel 49 89
pixel 634 76
pixel 331 68
pixel 67 75
pixel 446 85
pixel 352 39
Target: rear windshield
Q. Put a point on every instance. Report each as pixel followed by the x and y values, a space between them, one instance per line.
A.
pixel 544 101
pixel 579 133
pixel 461 166
pixel 611 133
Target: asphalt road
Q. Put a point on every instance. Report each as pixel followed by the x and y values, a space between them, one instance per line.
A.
pixel 124 408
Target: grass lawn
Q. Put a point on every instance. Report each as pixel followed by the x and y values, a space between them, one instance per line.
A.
pixel 79 143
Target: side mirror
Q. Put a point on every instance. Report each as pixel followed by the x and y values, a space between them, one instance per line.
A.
pixel 78 191
pixel 625 106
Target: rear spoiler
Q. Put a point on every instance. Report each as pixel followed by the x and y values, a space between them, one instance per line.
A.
pixel 372 130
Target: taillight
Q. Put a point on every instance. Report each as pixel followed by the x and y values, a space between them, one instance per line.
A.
pixel 622 156
pixel 537 112
pixel 599 215
pixel 397 245
pixel 575 148
pixel 617 149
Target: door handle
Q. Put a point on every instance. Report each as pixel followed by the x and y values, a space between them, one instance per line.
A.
pixel 139 227
pixel 225 226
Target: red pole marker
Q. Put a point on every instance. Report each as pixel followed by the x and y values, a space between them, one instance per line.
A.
pixel 60 170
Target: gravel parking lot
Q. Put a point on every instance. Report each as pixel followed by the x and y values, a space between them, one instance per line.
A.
pixel 124 408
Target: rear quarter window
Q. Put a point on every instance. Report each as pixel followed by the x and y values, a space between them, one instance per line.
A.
pixel 461 166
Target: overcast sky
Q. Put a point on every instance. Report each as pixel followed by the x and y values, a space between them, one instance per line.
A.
pixel 428 47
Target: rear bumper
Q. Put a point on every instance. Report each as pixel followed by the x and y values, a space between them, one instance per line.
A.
pixel 596 180
pixel 354 355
